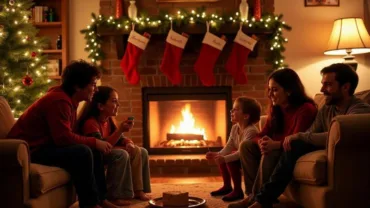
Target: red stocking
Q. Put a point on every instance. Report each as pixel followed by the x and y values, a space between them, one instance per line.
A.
pixel 175 44
pixel 211 49
pixel 243 45
pixel 135 47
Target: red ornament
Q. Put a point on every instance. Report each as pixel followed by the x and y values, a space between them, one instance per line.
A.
pixel 118 9
pixel 28 38
pixel 33 54
pixel 27 80
pixel 257 9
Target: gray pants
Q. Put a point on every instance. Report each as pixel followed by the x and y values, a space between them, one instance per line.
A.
pixel 122 177
pixel 257 168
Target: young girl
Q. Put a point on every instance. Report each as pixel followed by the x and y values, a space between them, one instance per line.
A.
pixel 128 165
pixel 245 113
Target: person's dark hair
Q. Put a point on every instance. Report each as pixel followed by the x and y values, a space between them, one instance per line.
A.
pixel 251 107
pixel 91 109
pixel 289 80
pixel 78 73
pixel 343 74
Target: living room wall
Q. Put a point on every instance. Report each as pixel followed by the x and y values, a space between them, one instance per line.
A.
pixel 305 49
pixel 308 39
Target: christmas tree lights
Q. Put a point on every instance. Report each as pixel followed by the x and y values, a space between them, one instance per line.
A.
pixel 23 71
pixel 161 23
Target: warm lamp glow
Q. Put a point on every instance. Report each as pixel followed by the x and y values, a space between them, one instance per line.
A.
pixel 349 36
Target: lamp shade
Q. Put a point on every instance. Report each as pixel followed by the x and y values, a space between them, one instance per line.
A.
pixel 348 35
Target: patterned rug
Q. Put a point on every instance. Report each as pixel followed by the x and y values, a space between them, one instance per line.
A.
pixel 200 190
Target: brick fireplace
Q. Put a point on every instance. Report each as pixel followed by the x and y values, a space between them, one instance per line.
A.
pixel 130 96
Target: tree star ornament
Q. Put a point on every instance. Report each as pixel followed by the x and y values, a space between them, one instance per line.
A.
pixel 27 80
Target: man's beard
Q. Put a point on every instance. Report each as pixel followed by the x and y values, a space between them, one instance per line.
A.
pixel 331 99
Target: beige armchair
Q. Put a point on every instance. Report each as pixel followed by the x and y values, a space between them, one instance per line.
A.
pixel 340 175
pixel 25 184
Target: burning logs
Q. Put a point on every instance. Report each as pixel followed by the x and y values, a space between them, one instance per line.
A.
pixel 184 136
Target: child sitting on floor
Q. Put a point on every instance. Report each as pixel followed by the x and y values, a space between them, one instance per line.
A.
pixel 245 113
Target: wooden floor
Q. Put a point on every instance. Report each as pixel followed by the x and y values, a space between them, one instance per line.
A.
pixel 185 180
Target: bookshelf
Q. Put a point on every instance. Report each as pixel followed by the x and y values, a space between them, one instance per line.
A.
pixel 52 29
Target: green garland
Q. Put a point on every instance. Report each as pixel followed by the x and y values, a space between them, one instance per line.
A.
pixel 162 22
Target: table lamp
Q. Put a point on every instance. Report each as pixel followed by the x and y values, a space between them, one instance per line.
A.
pixel 348 37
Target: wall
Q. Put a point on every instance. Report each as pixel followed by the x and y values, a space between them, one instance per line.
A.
pixel 308 39
pixel 79 17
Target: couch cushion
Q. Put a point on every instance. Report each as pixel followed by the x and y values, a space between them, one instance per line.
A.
pixel 6 118
pixel 311 168
pixel 363 95
pixel 45 178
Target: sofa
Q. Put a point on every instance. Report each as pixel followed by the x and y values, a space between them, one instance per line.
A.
pixel 339 176
pixel 25 184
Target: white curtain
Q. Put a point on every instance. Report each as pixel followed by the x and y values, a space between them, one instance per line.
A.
pixel 367 24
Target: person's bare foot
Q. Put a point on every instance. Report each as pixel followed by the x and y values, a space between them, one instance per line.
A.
pixel 241 204
pixel 255 205
pixel 107 204
pixel 141 196
pixel 120 202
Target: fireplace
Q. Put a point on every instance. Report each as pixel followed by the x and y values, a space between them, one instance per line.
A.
pixel 185 120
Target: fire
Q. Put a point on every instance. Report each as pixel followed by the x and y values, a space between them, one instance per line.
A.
pixel 187 125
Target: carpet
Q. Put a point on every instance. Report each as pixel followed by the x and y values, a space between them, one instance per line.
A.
pixel 200 190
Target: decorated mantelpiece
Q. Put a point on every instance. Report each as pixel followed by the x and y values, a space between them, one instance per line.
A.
pixel 136 30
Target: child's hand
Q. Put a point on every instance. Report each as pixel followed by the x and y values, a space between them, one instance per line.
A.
pixel 127 125
pixel 219 159
pixel 103 146
pixel 130 148
pixel 211 155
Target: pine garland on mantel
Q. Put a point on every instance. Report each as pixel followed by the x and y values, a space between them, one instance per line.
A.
pixel 161 23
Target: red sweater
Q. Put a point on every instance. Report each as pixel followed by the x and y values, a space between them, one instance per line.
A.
pixel 295 120
pixel 92 126
pixel 50 120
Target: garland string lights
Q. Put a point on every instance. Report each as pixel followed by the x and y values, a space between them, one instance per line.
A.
pixel 161 23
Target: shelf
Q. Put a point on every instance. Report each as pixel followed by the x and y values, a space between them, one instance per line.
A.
pixel 52 51
pixel 47 24
pixel 55 77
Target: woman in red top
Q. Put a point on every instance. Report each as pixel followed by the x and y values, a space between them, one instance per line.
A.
pixel 128 164
pixel 290 111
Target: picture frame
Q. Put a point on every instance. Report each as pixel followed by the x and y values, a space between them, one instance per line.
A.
pixel 186 1
pixel 315 3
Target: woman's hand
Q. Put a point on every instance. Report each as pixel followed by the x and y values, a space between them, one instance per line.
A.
pixel 211 155
pixel 266 145
pixel 288 140
pixel 126 125
pixel 219 159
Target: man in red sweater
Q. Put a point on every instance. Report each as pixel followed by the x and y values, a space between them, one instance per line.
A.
pixel 47 126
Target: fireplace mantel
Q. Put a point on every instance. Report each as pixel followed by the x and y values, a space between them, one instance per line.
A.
pixel 195 32
pixel 195 29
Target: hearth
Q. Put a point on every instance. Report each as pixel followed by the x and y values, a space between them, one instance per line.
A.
pixel 185 120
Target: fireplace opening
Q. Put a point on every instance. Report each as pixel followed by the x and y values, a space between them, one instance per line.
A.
pixel 188 120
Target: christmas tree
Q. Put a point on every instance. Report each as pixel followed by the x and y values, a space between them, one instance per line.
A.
pixel 23 67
